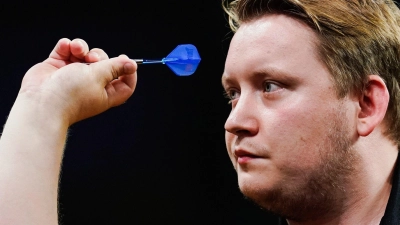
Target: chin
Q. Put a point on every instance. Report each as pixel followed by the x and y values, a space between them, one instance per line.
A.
pixel 261 196
pixel 266 195
pixel 293 198
pixel 254 187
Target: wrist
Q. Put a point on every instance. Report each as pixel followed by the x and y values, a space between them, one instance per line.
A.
pixel 40 110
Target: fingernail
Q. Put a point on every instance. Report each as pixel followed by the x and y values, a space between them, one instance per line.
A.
pixel 95 54
pixel 128 68
pixel 80 43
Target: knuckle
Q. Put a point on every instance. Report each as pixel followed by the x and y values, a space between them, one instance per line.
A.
pixel 115 73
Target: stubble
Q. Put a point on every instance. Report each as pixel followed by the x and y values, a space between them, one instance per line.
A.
pixel 322 192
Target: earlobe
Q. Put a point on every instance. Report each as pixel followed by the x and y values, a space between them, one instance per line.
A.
pixel 373 105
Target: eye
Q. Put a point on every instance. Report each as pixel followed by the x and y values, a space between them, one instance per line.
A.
pixel 271 87
pixel 232 95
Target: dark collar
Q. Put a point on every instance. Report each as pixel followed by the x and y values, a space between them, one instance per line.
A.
pixel 392 212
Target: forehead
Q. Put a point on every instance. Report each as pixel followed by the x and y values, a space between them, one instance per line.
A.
pixel 272 42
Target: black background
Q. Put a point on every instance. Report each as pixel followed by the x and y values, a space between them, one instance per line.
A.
pixel 160 158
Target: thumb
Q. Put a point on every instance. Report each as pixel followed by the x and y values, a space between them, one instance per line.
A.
pixel 110 69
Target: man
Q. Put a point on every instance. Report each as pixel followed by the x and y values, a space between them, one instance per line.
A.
pixel 314 129
pixel 315 123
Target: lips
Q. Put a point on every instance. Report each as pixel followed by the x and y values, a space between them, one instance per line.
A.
pixel 244 156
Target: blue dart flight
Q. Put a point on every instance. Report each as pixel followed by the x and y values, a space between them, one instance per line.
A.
pixel 183 60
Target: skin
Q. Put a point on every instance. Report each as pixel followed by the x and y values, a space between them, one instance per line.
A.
pixel 295 145
pixel 54 94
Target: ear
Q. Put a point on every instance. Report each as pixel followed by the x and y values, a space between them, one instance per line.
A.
pixel 373 105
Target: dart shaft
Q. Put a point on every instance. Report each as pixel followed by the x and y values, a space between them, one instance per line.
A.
pixel 141 61
pixel 138 61
pixel 148 61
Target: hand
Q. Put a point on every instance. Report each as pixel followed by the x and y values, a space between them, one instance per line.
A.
pixel 74 90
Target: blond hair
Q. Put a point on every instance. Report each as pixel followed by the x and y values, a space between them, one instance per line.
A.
pixel 357 38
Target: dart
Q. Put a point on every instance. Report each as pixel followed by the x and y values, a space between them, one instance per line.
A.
pixel 183 60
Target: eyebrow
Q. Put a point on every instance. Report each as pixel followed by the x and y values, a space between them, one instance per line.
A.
pixel 264 73
pixel 225 80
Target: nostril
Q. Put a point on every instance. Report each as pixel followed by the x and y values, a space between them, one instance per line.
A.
pixel 243 133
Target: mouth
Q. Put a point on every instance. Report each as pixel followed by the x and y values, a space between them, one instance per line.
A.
pixel 243 156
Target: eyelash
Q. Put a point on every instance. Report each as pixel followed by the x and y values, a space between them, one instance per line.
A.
pixel 228 94
pixel 270 83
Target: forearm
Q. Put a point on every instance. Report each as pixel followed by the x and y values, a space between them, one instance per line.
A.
pixel 53 95
pixel 31 149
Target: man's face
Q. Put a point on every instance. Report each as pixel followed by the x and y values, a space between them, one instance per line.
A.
pixel 288 134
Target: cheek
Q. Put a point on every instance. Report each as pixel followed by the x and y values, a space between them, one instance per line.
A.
pixel 297 134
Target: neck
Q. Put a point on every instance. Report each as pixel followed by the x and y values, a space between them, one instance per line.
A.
pixel 370 185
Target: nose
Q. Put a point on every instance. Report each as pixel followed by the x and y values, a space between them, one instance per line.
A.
pixel 242 120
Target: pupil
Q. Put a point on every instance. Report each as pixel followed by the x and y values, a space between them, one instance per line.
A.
pixel 268 87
